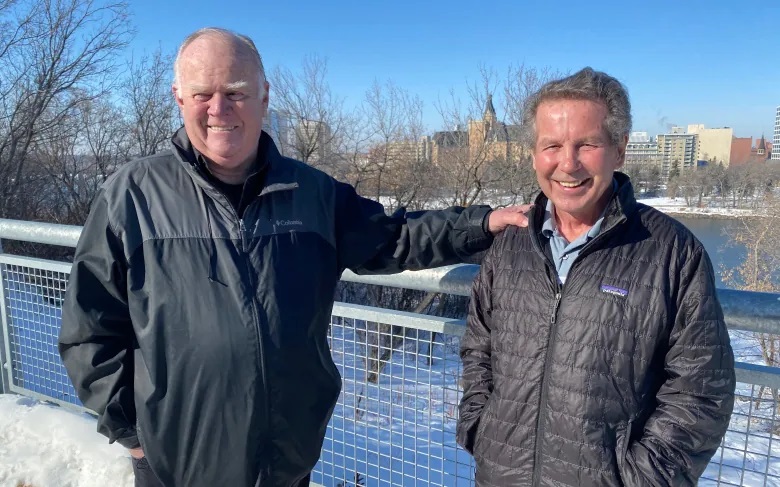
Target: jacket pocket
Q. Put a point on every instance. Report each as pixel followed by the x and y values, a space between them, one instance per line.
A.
pixel 478 436
pixel 622 443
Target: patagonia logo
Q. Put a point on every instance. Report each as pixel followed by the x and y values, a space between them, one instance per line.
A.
pixel 288 223
pixel 614 290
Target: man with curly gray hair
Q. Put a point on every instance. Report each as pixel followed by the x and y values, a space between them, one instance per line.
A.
pixel 596 352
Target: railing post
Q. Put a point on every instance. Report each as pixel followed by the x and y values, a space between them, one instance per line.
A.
pixel 5 361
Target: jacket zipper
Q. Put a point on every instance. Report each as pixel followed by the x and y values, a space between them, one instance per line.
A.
pixel 265 464
pixel 266 467
pixel 547 358
pixel 543 394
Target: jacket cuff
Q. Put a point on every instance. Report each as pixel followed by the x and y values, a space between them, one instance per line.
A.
pixel 130 440
pixel 479 237
pixel 486 224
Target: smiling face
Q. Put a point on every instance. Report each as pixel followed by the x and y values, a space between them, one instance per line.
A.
pixel 574 158
pixel 222 101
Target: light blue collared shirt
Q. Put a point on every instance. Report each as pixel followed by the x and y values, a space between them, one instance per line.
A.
pixel 564 252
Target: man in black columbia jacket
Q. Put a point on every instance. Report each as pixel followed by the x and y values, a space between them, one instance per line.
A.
pixel 596 352
pixel 196 316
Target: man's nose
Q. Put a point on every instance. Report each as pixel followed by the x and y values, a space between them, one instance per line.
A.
pixel 218 105
pixel 570 160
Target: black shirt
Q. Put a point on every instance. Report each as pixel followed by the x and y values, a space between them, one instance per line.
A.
pixel 242 194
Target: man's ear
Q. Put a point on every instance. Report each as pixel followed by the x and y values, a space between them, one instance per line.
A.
pixel 266 87
pixel 175 91
pixel 622 152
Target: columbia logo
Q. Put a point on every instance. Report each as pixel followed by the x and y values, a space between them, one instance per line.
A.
pixel 614 290
pixel 288 223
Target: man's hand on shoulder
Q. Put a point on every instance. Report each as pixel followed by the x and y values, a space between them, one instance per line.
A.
pixel 501 218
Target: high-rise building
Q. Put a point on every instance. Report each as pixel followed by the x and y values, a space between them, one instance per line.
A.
pixel 714 144
pixel 278 125
pixel 312 141
pixel 641 152
pixel 677 152
pixel 776 140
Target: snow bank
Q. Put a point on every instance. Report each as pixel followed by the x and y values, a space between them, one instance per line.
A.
pixel 46 446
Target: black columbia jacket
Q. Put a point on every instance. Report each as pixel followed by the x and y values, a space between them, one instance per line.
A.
pixel 202 336
pixel 623 376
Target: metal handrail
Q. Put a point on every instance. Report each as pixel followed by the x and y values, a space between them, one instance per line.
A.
pixel 747 311
pixel 744 310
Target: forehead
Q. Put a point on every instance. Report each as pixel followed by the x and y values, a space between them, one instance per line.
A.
pixel 572 113
pixel 216 61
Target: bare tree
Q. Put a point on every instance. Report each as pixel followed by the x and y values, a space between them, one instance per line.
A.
pixel 58 52
pixel 759 271
pixel 463 156
pixel 104 135
pixel 351 148
pixel 399 154
pixel 515 175
pixel 316 113
pixel 521 82
pixel 153 115
pixel 79 158
pixel 72 175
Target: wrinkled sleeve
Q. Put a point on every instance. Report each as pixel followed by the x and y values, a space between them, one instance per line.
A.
pixel 475 354
pixel 697 398
pixel 371 242
pixel 96 338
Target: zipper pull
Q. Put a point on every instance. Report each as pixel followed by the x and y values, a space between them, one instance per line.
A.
pixel 242 231
pixel 555 308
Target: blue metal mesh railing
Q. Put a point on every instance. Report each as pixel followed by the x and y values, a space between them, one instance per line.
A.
pixel 394 424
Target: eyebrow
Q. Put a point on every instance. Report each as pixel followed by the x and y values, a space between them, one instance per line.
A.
pixel 234 86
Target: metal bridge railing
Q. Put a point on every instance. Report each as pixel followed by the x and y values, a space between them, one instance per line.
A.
pixel 394 424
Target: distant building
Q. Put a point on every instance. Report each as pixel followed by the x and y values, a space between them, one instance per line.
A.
pixel 641 152
pixel 776 140
pixel 639 137
pixel 713 144
pixel 312 140
pixel 278 125
pixel 741 148
pixel 762 151
pixel 677 152
pixel 487 138
pixel 403 151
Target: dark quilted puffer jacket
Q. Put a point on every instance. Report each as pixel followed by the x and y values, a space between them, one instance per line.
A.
pixel 622 376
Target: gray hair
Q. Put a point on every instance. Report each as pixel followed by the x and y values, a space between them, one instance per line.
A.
pixel 241 41
pixel 586 84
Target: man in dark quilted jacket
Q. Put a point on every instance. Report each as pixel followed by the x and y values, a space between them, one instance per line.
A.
pixel 596 352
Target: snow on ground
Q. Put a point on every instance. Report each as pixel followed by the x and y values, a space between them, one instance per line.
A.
pixel 404 435
pixel 672 206
pixel 678 206
pixel 46 446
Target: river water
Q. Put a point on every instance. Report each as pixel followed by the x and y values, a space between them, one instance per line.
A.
pixel 713 233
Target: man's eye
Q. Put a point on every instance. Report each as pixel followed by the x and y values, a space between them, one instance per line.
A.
pixel 201 96
pixel 235 96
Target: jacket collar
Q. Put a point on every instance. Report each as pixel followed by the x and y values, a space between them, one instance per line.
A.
pixel 280 173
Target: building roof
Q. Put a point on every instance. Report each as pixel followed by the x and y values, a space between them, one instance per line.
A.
pixel 761 144
pixel 451 138
pixel 490 110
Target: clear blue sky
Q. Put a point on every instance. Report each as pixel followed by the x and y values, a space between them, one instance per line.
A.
pixel 713 62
